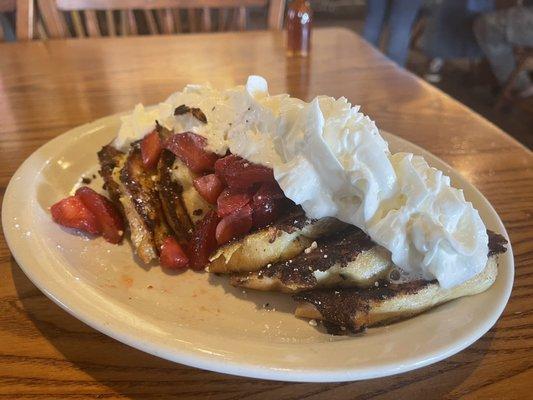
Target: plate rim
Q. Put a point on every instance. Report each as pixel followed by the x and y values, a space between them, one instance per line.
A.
pixel 200 360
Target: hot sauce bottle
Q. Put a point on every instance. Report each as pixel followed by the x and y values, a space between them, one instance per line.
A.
pixel 299 19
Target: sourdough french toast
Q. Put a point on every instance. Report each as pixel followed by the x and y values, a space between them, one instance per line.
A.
pixel 171 195
pixel 225 191
pixel 164 201
pixel 357 308
pixel 194 206
pixel 331 268
pixel 335 272
pixel 182 204
pixel 283 240
pixel 346 258
pixel 133 189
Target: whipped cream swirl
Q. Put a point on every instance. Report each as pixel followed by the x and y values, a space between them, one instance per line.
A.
pixel 330 158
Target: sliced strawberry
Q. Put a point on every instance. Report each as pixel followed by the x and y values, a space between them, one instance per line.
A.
pixel 72 213
pixel 241 174
pixel 203 241
pixel 108 218
pixel 268 204
pixel 151 149
pixel 234 225
pixel 230 201
pixel 266 212
pixel 222 163
pixel 189 148
pixel 172 255
pixel 209 187
pixel 269 190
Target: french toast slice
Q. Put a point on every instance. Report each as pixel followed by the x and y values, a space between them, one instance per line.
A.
pixel 140 197
pixel 281 241
pixel 355 309
pixel 134 189
pixel 182 204
pixel 183 207
pixel 171 197
pixel 109 159
pixel 348 258
pixel 194 204
pixel 358 308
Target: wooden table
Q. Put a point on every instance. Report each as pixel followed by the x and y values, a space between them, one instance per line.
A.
pixel 48 88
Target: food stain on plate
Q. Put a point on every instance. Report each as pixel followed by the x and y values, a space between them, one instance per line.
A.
pixel 127 281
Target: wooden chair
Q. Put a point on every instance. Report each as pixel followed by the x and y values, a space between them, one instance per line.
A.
pixel 96 18
pixel 524 57
pixel 7 32
pixel 23 10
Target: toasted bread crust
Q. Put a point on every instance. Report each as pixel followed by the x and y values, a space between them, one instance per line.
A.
pixel 348 258
pixel 358 308
pixel 171 196
pixel 194 204
pixel 279 242
pixel 140 199
pixel 109 159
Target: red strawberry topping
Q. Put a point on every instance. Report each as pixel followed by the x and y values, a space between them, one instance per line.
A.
pixel 108 218
pixel 189 148
pixel 72 213
pixel 234 225
pixel 172 255
pixel 151 149
pixel 209 187
pixel 203 241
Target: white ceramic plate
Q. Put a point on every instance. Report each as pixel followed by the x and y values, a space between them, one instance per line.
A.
pixel 200 320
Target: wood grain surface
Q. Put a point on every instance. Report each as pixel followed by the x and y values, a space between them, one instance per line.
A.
pixel 49 87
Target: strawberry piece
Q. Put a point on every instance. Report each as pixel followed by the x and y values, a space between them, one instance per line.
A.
pixel 230 201
pixel 72 213
pixel 203 241
pixel 269 190
pixel 189 148
pixel 209 187
pixel 267 212
pixel 151 149
pixel 108 218
pixel 241 174
pixel 172 255
pixel 234 225
pixel 267 204
pixel 222 163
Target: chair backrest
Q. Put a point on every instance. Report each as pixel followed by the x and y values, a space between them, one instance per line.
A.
pixel 20 12
pixel 7 31
pixel 93 18
pixel 18 22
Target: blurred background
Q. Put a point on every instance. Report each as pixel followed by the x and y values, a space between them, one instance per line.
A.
pixel 444 49
pixel 477 51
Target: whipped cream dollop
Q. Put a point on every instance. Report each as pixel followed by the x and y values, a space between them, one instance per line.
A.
pixel 330 158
